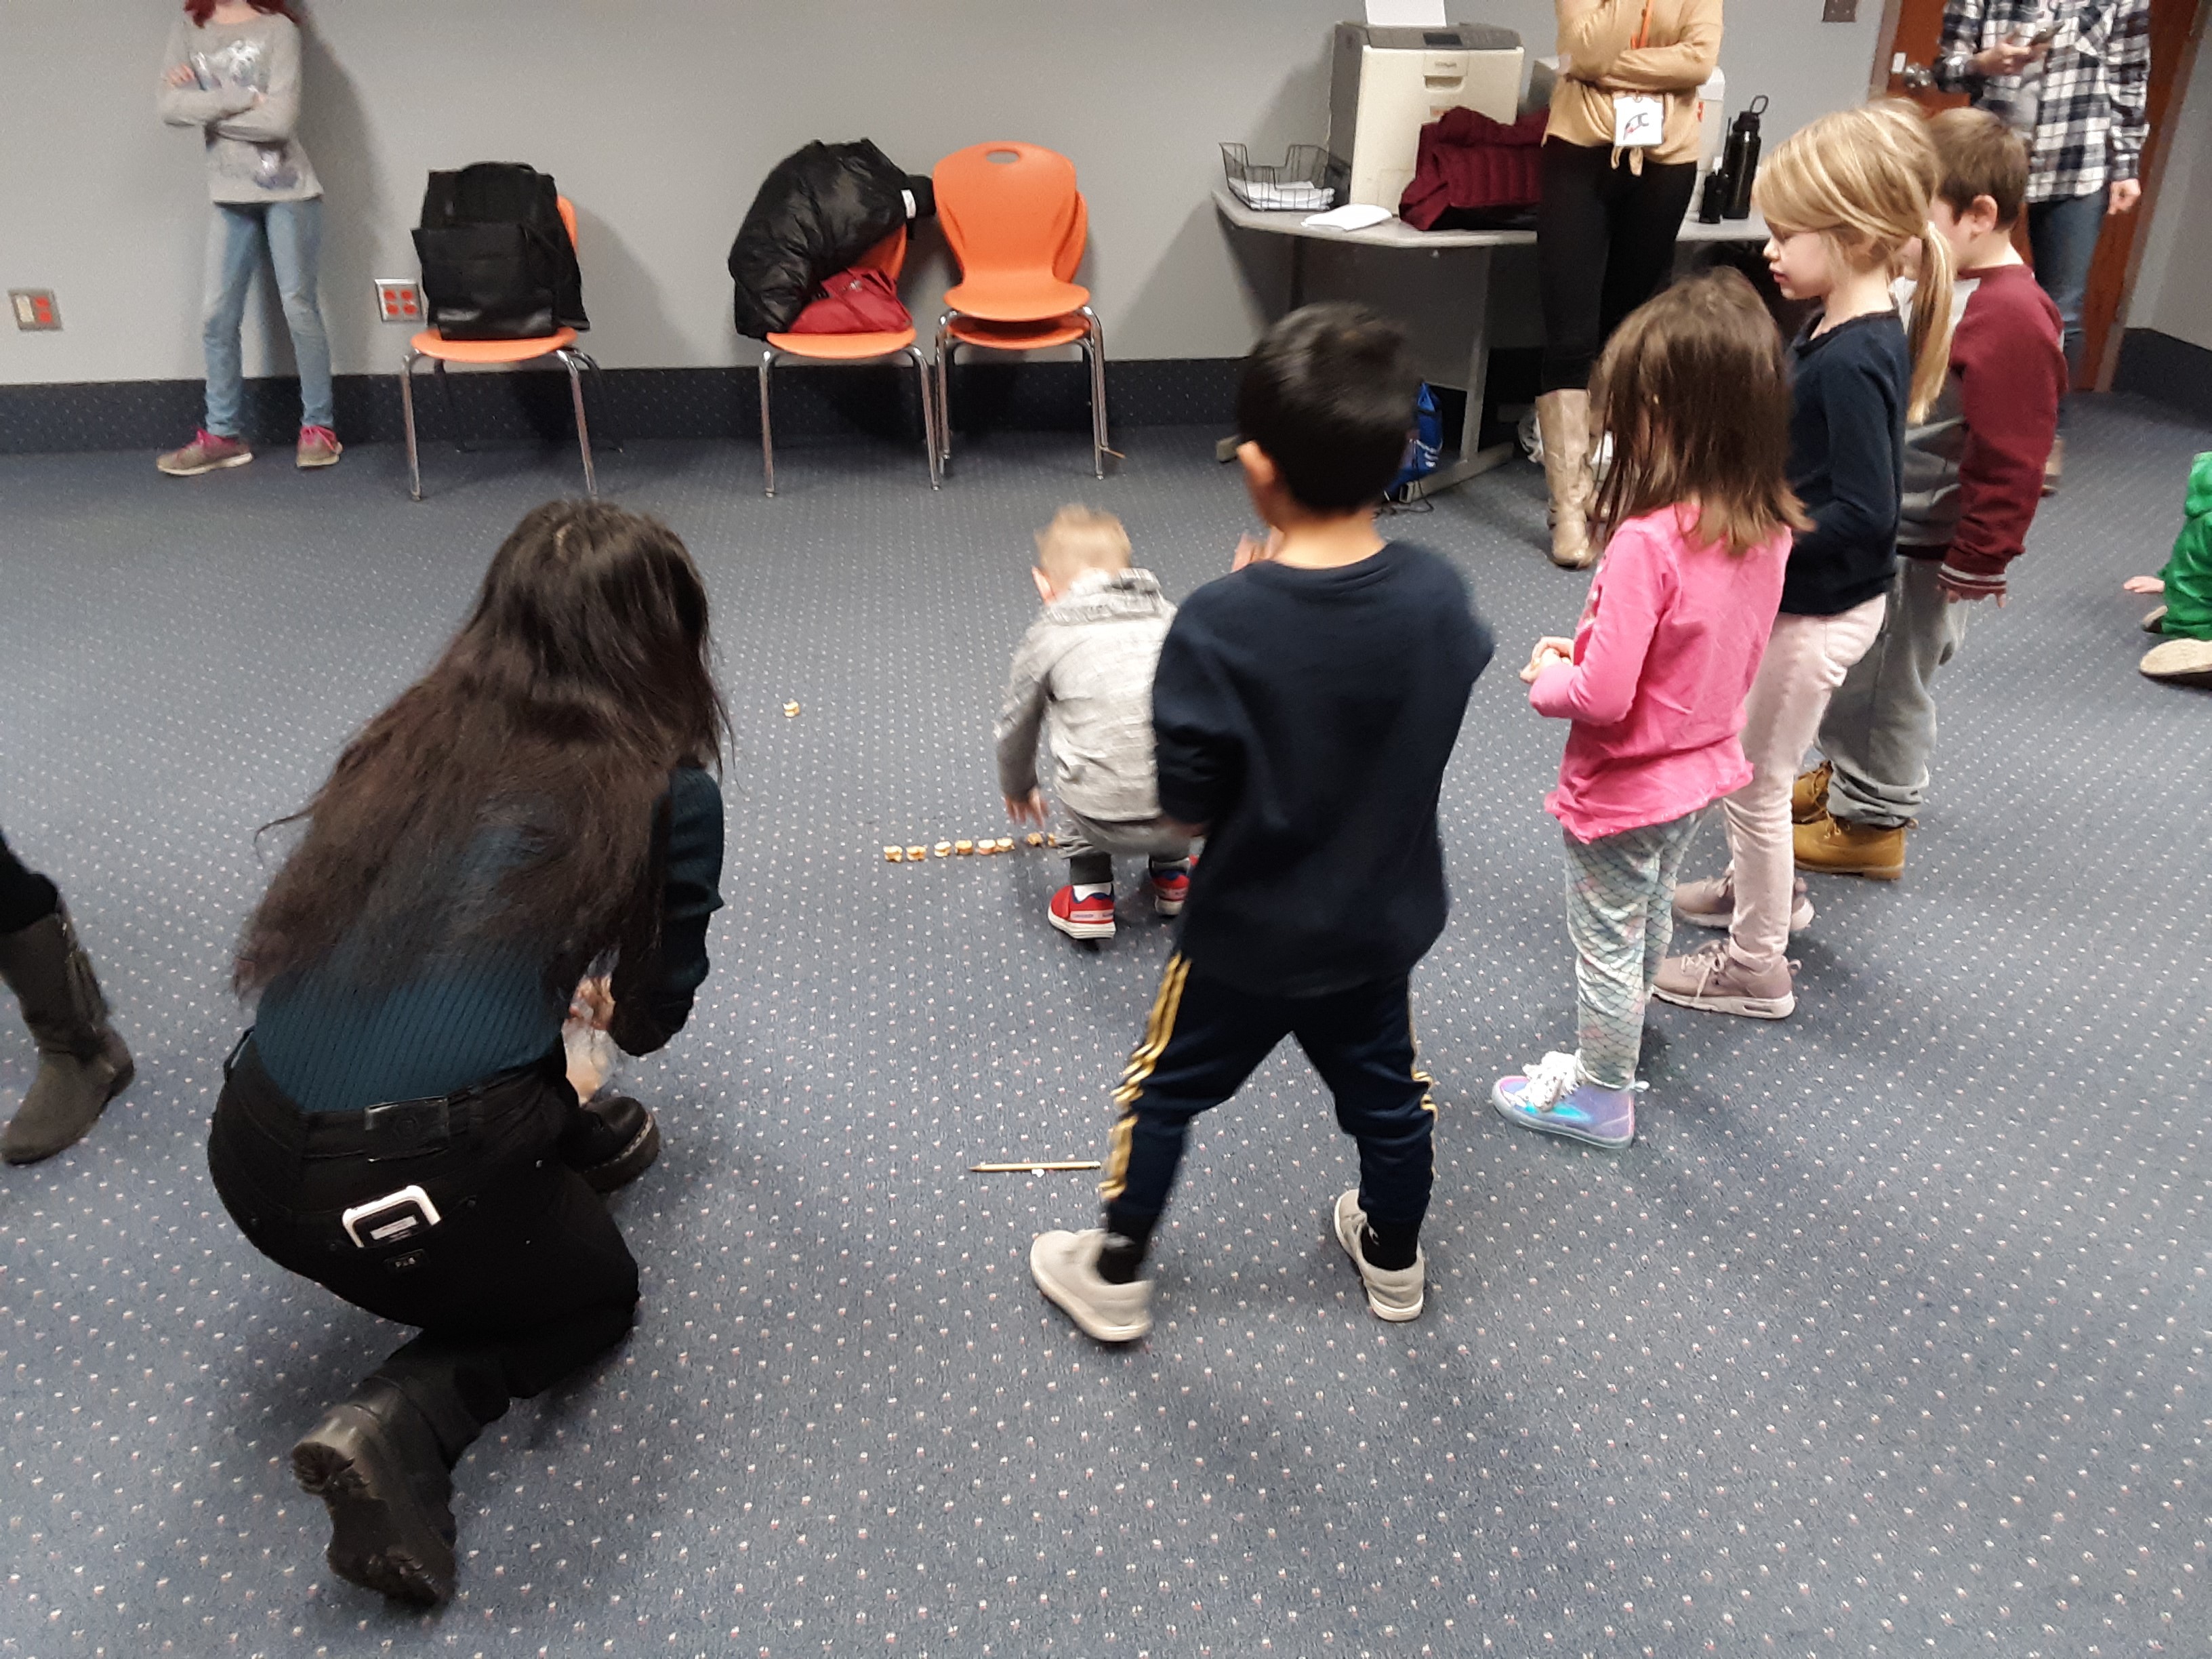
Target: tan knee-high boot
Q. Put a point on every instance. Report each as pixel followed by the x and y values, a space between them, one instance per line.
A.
pixel 1563 418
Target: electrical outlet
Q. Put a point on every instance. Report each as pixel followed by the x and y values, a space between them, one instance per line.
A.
pixel 1840 11
pixel 35 310
pixel 399 300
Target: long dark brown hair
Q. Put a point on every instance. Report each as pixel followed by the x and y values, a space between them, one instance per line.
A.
pixel 550 724
pixel 201 10
pixel 1695 389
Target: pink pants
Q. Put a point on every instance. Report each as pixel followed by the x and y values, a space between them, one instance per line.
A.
pixel 1807 658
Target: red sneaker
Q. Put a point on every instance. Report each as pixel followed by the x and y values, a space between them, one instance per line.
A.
pixel 318 447
pixel 1091 917
pixel 207 452
pixel 1170 888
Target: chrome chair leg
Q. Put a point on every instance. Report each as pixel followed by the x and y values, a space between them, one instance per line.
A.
pixel 946 345
pixel 583 425
pixel 1096 352
pixel 928 421
pixel 768 440
pixel 609 437
pixel 452 413
pixel 407 421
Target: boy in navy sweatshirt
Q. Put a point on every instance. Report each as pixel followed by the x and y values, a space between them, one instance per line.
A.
pixel 1304 711
pixel 1973 477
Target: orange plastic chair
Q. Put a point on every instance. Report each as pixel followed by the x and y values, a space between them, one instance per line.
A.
pixel 888 256
pixel 438 350
pixel 1017 225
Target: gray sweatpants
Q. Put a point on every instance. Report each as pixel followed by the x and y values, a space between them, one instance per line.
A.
pixel 1621 915
pixel 1879 729
pixel 1088 844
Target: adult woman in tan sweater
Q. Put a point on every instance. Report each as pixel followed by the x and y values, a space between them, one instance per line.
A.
pixel 1620 163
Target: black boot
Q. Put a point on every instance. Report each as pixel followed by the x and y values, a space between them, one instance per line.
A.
pixel 611 1142
pixel 376 1465
pixel 82 1064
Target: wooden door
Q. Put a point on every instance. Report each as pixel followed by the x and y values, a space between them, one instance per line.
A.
pixel 1911 30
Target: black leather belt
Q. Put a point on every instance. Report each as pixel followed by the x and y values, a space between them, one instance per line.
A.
pixel 385 1131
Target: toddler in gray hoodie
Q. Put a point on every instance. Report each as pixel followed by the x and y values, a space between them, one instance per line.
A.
pixel 1084 674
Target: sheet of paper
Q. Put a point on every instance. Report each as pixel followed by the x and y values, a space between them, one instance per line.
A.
pixel 1353 215
pixel 1413 14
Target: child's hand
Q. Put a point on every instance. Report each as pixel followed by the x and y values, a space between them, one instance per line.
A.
pixel 180 75
pixel 1027 809
pixel 2142 584
pixel 1250 549
pixel 1550 649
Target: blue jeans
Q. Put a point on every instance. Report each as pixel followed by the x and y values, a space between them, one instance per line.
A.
pixel 2063 237
pixel 291 234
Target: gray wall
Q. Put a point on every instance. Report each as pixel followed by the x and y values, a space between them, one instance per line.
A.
pixel 2173 287
pixel 660 117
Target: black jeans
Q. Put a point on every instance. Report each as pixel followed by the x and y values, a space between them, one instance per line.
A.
pixel 1605 244
pixel 523 1279
pixel 1205 1038
pixel 25 895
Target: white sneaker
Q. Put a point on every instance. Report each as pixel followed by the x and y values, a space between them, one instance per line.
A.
pixel 1066 1269
pixel 1396 1295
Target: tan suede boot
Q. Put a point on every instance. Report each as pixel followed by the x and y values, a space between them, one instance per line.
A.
pixel 1837 846
pixel 1808 796
pixel 1563 418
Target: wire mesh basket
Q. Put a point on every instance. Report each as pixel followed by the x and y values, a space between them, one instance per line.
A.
pixel 1308 180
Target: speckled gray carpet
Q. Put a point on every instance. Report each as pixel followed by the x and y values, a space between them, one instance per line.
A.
pixel 1888 1337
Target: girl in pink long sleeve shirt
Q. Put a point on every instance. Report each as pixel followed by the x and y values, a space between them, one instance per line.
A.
pixel 1694 390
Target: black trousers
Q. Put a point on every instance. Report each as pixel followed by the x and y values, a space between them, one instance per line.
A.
pixel 1605 244
pixel 25 895
pixel 523 1279
pixel 1205 1038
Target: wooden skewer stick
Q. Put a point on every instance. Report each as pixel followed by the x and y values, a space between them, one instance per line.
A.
pixel 1033 1168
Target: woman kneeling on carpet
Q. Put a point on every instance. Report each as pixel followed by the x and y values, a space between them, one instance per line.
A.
pixel 398 1126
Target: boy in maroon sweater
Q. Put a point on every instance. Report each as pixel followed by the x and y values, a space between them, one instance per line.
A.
pixel 1974 476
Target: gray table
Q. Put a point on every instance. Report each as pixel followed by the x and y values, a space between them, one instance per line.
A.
pixel 1473 290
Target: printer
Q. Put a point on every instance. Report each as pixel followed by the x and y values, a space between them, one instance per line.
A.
pixel 1388 81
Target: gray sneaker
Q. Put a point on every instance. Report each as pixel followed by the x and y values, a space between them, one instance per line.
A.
pixel 1397 1295
pixel 207 452
pixel 1711 903
pixel 1066 1269
pixel 1710 980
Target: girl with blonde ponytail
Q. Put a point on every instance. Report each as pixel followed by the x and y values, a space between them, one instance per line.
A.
pixel 1846 202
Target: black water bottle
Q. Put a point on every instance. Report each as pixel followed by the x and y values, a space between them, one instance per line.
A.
pixel 1740 161
pixel 1712 197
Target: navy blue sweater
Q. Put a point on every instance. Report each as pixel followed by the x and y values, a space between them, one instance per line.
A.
pixel 1849 389
pixel 467 1015
pixel 1304 717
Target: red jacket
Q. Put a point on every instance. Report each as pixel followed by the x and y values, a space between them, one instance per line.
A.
pixel 1469 160
pixel 1974 468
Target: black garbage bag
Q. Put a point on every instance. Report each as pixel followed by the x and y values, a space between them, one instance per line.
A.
pixel 817 211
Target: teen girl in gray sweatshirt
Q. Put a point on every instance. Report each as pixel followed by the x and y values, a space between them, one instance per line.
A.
pixel 233 71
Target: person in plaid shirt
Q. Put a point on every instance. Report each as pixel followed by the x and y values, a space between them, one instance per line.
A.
pixel 2072 76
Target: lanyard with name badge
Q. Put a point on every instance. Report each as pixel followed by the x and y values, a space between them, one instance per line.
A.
pixel 1639 119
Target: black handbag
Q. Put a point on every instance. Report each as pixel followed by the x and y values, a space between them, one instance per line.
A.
pixel 497 261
